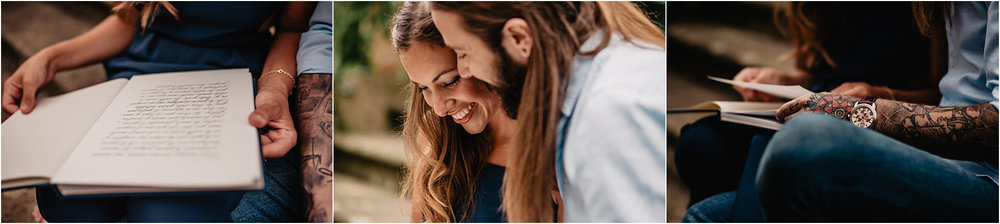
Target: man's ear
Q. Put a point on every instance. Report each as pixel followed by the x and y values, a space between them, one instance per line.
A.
pixel 516 39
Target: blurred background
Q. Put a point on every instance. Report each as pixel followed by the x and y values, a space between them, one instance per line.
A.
pixel 27 27
pixel 369 98
pixel 712 39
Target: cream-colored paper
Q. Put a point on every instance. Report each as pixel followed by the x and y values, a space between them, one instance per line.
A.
pixel 783 91
pixel 172 130
pixel 36 144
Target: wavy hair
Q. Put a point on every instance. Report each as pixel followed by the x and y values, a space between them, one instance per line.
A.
pixel 558 31
pixel 444 159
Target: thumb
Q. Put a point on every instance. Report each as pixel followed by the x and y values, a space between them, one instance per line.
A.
pixel 264 113
pixel 28 98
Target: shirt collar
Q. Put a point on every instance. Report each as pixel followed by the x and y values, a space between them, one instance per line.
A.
pixel 581 71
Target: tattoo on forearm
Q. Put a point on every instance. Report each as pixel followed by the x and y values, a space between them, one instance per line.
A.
pixel 835 105
pixel 967 132
pixel 314 106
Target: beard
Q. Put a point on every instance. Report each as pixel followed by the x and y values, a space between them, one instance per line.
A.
pixel 512 76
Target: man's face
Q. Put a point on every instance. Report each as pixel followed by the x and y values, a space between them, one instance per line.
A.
pixel 477 59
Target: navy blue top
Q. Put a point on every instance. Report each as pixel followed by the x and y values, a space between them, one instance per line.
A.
pixel 486 204
pixel 209 35
pixel 878 43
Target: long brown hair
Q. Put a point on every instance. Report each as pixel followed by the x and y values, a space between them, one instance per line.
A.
pixel 145 16
pixel 931 17
pixel 558 31
pixel 441 176
pixel 805 23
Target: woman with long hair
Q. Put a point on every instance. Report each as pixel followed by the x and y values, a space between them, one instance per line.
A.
pixel 457 136
pixel 586 82
pixel 155 37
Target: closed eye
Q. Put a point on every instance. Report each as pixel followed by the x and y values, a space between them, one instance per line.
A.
pixel 453 82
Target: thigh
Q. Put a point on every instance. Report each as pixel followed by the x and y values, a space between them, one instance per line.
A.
pixel 823 168
pixel 54 209
pixel 207 207
pixel 282 199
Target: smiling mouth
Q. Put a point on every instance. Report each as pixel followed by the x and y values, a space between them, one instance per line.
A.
pixel 463 115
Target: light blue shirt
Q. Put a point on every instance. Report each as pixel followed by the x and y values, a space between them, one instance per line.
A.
pixel 972 66
pixel 316 45
pixel 611 139
pixel 972 56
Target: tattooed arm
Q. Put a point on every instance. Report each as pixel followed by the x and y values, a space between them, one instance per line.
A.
pixel 314 107
pixel 966 132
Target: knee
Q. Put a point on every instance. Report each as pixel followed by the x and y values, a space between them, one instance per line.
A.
pixel 803 156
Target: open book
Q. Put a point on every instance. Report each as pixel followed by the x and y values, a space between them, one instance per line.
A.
pixel 757 114
pixel 168 132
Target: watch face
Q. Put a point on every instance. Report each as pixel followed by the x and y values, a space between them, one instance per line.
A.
pixel 863 116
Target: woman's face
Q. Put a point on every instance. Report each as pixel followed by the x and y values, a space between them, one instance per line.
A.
pixel 475 57
pixel 434 73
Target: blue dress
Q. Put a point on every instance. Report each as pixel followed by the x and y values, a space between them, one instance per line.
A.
pixel 487 199
pixel 209 35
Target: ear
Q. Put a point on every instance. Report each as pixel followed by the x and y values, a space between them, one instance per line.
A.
pixel 517 40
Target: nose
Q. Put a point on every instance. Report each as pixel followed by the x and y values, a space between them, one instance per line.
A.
pixel 463 68
pixel 441 104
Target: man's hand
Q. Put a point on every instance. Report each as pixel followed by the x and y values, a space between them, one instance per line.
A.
pixel 272 115
pixel 836 105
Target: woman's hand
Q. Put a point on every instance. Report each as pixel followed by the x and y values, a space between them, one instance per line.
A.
pixel 836 105
pixel 20 89
pixel 862 89
pixel 273 116
pixel 760 75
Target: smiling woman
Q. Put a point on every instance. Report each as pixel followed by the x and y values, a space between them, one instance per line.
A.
pixel 454 174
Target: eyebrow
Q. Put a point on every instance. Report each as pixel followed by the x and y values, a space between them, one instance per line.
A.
pixel 438 75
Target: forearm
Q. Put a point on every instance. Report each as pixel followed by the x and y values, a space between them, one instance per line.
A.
pixel 281 56
pixel 968 132
pixel 314 106
pixel 107 39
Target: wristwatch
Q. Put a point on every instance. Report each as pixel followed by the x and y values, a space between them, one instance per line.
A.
pixel 863 114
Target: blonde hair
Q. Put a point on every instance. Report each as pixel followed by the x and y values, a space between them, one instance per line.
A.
pixel 128 12
pixel 444 160
pixel 559 29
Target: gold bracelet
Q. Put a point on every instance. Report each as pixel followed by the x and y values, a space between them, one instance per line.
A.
pixel 283 72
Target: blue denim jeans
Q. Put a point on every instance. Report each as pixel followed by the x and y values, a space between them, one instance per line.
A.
pixel 819 168
pixel 283 198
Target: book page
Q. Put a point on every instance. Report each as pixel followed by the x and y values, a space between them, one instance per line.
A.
pixel 36 144
pixel 783 91
pixel 187 129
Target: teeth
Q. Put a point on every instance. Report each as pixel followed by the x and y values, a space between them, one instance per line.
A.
pixel 461 114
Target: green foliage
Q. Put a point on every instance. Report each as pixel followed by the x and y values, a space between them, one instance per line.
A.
pixel 355 24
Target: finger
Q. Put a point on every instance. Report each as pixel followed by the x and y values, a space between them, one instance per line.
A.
pixel 264 113
pixel 282 141
pixel 265 140
pixel 28 97
pixel 786 109
pixel 11 94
